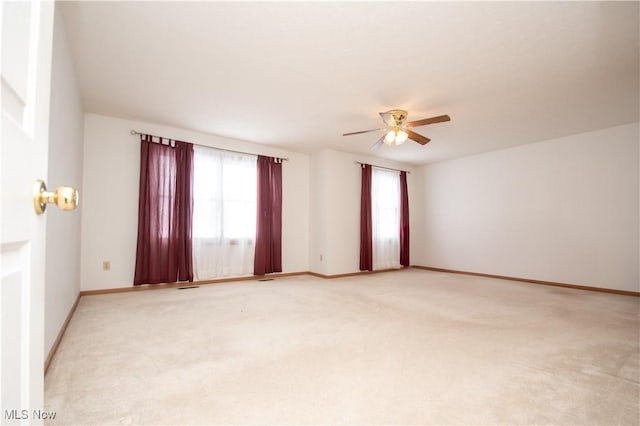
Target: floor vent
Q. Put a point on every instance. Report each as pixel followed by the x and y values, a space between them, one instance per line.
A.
pixel 266 279
pixel 189 287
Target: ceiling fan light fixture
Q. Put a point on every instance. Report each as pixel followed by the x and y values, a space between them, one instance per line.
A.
pixel 395 137
pixel 401 137
pixel 390 138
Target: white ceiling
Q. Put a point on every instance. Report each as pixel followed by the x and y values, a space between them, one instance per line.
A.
pixel 298 75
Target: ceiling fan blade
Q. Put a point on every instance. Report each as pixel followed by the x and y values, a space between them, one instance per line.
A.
pixel 425 121
pixel 387 118
pixel 416 137
pixel 362 131
pixel 378 144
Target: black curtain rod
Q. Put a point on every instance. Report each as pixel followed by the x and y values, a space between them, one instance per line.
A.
pixel 381 167
pixel 135 132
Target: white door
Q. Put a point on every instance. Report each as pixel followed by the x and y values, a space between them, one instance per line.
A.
pixel 25 65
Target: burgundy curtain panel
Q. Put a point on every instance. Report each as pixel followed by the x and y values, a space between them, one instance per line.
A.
pixel 268 254
pixel 366 224
pixel 165 215
pixel 404 220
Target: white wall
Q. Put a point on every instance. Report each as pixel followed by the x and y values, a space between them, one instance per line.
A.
pixel 65 168
pixel 110 212
pixel 318 208
pixel 563 210
pixel 335 210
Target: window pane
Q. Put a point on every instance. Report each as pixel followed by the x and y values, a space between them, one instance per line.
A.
pixel 239 205
pixel 385 199
pixel 206 196
pixel 224 193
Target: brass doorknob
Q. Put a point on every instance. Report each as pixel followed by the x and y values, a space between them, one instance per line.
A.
pixel 65 197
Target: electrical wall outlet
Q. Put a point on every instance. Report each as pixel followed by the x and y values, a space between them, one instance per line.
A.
pixel 106 265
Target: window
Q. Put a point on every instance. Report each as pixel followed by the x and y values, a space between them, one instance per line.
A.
pixel 224 212
pixel 198 213
pixel 385 216
pixel 224 194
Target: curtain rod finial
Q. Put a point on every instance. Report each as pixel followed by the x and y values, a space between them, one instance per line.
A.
pixel 133 132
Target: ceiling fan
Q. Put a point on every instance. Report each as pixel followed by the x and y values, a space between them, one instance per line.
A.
pixel 397 131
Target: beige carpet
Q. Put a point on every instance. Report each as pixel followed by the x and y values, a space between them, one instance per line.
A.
pixel 406 347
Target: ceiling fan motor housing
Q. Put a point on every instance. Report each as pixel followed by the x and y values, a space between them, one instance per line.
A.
pixel 398 116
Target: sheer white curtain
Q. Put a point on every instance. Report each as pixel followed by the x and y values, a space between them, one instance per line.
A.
pixel 224 213
pixel 385 216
